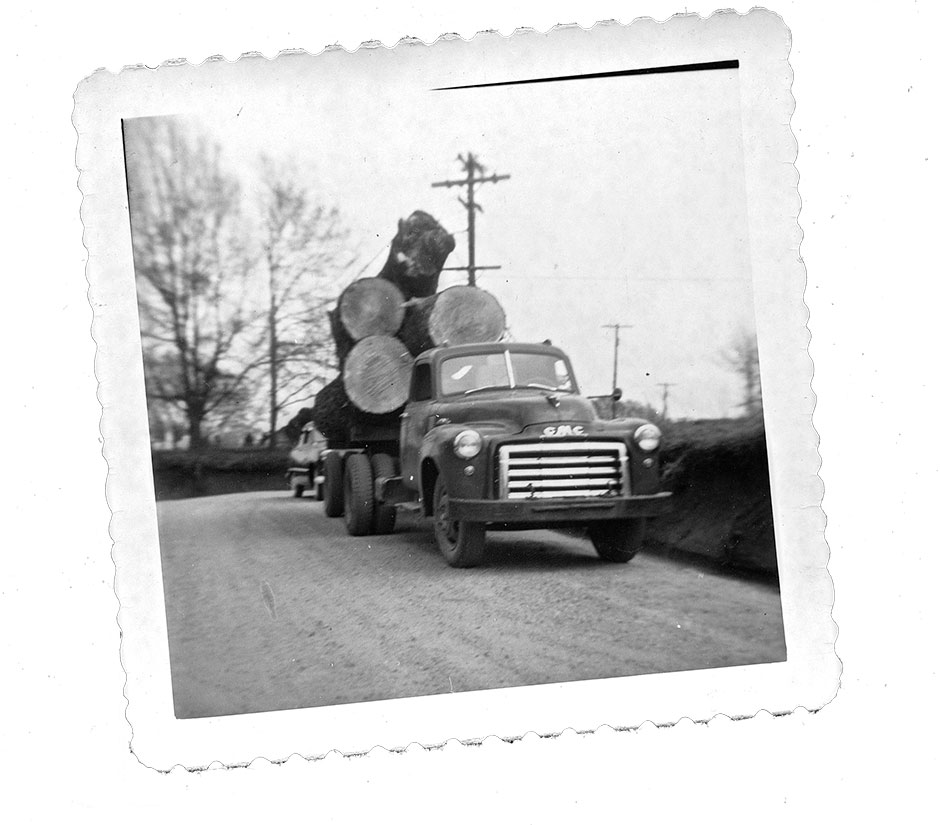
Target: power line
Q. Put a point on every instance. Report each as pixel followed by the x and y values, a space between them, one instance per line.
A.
pixel 471 166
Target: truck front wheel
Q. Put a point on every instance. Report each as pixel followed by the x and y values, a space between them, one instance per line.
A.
pixel 359 495
pixel 333 485
pixel 460 542
pixel 618 541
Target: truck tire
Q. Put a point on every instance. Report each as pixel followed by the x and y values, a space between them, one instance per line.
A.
pixel 618 541
pixel 460 542
pixel 298 490
pixel 383 519
pixel 333 485
pixel 359 495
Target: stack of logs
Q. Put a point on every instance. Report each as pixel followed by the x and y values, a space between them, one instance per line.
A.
pixel 380 324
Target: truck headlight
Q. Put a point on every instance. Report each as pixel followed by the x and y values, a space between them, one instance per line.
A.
pixel 468 444
pixel 648 437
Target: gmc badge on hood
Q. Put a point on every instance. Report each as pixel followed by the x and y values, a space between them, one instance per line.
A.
pixel 562 430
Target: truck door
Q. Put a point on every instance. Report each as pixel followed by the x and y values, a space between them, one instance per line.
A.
pixel 414 424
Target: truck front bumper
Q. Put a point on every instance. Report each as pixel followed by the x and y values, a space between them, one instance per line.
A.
pixel 556 510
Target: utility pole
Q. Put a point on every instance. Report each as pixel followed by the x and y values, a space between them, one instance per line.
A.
pixel 616 328
pixel 471 166
pixel 665 385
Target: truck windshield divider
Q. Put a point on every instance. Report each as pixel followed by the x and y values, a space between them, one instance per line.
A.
pixel 512 376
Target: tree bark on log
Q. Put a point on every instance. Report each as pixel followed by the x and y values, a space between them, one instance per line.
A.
pixel 334 415
pixel 458 315
pixel 377 374
pixel 332 412
pixel 417 255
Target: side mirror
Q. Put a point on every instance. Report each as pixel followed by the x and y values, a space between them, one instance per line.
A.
pixel 617 394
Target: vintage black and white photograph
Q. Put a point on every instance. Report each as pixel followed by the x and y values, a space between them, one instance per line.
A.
pixel 451 371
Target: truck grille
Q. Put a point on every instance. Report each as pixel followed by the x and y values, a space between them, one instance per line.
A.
pixel 563 470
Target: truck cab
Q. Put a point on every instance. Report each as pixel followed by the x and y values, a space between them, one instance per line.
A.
pixel 498 436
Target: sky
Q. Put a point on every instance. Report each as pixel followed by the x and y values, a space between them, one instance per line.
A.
pixel 626 204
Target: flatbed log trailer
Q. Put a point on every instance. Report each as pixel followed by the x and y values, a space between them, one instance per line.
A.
pixel 496 436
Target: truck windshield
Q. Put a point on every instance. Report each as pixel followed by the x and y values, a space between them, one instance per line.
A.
pixel 465 374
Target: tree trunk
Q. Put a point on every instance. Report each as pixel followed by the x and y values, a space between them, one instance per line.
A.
pixel 195 431
pixel 272 354
pixel 377 374
pixel 459 315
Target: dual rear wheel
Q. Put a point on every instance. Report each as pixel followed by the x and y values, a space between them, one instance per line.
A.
pixel 363 514
pixel 333 485
pixel 383 517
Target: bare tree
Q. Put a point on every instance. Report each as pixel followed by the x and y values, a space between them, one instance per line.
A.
pixel 191 267
pixel 742 357
pixel 303 255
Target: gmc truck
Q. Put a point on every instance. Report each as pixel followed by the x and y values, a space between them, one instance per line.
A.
pixel 495 437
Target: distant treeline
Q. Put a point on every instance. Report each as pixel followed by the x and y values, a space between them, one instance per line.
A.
pixel 184 474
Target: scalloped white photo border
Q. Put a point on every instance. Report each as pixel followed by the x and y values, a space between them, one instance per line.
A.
pixel 809 678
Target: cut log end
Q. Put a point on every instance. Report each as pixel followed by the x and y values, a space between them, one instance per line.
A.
pixel 466 315
pixel 377 374
pixel 371 306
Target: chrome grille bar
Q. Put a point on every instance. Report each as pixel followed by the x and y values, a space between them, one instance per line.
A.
pixel 563 469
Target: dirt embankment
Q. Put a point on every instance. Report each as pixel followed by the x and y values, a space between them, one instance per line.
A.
pixel 718 473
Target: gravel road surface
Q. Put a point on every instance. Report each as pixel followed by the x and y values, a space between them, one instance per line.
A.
pixel 271 605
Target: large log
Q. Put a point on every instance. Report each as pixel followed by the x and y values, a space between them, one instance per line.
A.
pixel 370 306
pixel 377 374
pixel 332 412
pixel 335 416
pixel 417 255
pixel 458 315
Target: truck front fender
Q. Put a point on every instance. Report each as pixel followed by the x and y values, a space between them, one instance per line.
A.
pixel 466 478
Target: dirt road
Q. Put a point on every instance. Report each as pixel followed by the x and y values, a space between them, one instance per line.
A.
pixel 271 605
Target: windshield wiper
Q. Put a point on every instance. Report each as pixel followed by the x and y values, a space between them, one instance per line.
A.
pixel 543 387
pixel 532 385
pixel 487 387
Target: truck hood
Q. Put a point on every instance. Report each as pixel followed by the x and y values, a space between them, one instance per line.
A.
pixel 515 410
